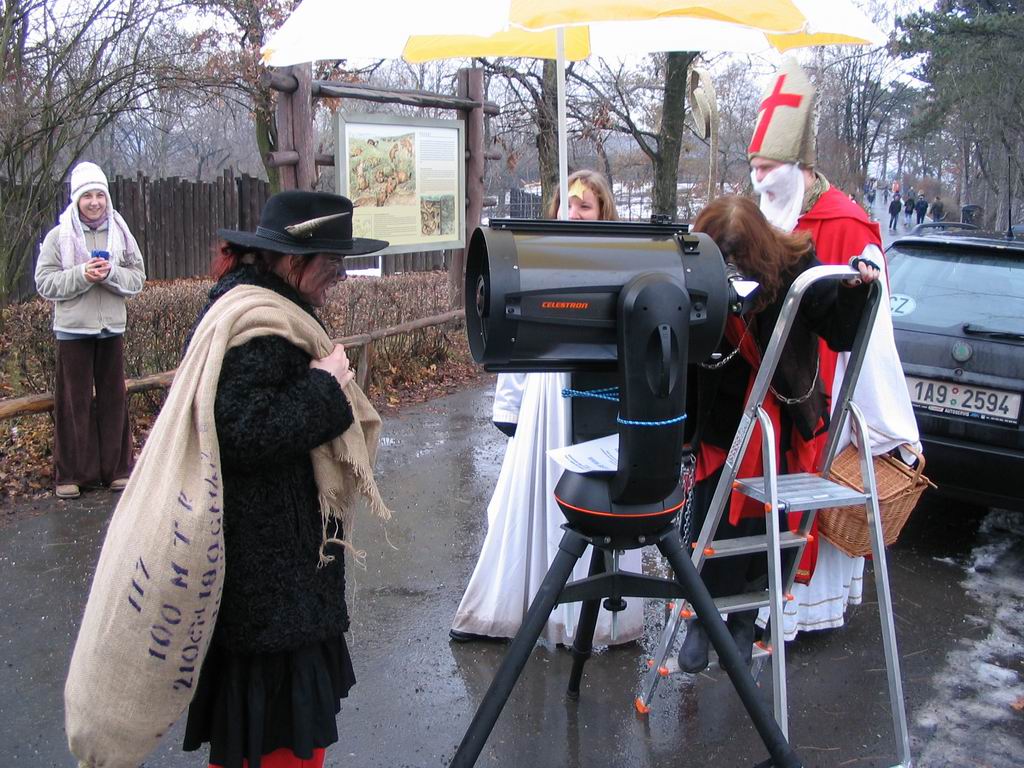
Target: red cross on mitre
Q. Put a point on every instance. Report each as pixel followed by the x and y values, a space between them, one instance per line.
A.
pixel 774 100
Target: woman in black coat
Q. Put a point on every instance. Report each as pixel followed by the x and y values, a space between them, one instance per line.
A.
pixel 278 664
pixel 796 402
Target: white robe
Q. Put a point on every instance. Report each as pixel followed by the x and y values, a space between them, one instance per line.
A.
pixel 881 394
pixel 524 523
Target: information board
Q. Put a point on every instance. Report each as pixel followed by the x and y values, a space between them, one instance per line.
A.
pixel 406 178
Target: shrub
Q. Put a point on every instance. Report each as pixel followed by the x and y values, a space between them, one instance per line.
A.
pixel 159 320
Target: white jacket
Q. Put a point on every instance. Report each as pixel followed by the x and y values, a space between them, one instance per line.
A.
pixel 78 305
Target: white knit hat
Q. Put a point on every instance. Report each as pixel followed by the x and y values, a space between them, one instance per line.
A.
pixel 86 177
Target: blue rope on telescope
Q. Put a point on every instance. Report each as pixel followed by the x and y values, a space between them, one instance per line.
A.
pixel 611 394
pixel 662 423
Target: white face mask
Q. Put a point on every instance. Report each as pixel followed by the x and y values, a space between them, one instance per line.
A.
pixel 782 195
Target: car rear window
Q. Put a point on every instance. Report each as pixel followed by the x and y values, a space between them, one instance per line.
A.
pixel 941 288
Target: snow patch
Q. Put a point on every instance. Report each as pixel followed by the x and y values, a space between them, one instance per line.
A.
pixel 978 683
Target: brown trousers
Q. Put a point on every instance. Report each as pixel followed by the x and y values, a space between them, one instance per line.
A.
pixel 92 439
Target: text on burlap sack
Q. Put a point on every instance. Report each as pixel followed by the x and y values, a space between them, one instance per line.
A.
pixel 187 612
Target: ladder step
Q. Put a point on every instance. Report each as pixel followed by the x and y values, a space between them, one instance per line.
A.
pixel 803 491
pixel 745 601
pixel 671 666
pixel 745 545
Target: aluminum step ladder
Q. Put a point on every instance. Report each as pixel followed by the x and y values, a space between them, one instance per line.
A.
pixel 783 494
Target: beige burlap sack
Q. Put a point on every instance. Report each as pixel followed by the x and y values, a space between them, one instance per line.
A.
pixel 157 588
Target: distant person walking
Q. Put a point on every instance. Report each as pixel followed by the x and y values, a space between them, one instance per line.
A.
pixel 894 211
pixel 938 211
pixel 920 208
pixel 908 208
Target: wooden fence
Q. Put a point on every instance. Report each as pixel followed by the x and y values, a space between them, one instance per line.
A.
pixel 27 405
pixel 176 220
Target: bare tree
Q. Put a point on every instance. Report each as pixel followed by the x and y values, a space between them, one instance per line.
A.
pixel 66 72
pixel 972 69
pixel 528 91
pixel 858 92
pixel 647 104
pixel 233 40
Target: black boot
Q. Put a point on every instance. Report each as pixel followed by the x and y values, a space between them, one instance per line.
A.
pixel 693 656
pixel 741 627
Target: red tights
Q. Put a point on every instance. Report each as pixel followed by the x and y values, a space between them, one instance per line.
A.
pixel 285 758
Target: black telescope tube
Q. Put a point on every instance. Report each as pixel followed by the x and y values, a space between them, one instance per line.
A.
pixel 543 295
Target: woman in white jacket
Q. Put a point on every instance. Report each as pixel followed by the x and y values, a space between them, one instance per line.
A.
pixel 523 519
pixel 88 265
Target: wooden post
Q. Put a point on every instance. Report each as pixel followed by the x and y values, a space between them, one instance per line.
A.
pixel 179 245
pixel 365 365
pixel 470 85
pixel 139 214
pixel 285 113
pixel 231 200
pixel 154 253
pixel 302 127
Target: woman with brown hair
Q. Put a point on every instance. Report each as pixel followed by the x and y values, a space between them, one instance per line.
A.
pixel 796 403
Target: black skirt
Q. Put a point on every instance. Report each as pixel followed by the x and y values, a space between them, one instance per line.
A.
pixel 248 705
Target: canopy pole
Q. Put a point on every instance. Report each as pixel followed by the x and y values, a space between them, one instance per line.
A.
pixel 563 143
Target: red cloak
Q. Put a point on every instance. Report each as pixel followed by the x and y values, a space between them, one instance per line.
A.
pixel 840 230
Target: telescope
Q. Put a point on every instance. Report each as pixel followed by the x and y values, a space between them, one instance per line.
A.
pixel 544 295
pixel 635 301
pixel 633 305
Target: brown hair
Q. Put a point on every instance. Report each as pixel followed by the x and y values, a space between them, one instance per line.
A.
pixel 228 257
pixel 760 251
pixel 596 183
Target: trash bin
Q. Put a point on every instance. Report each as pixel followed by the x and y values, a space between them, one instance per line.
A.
pixel 971 214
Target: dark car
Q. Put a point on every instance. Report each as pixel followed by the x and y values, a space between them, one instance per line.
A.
pixel 957 301
pixel 934 227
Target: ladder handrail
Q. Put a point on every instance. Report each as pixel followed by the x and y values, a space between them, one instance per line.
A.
pixel 766 371
pixel 883 593
pixel 844 410
pixel 758 392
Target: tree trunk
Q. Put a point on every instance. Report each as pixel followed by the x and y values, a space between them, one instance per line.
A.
pixel 266 136
pixel 547 135
pixel 885 158
pixel 670 133
pixel 605 163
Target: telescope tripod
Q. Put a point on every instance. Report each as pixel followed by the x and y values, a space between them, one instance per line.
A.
pixel 616 585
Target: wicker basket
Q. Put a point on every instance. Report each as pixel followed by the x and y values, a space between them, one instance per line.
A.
pixel 899 489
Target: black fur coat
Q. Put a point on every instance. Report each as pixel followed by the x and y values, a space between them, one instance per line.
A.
pixel 271 410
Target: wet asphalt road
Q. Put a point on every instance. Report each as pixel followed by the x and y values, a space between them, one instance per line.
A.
pixel 956 578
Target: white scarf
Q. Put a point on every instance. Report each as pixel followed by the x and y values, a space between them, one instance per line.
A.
pixel 121 242
pixel 782 195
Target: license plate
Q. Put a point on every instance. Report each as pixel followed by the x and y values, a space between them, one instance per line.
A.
pixel 964 399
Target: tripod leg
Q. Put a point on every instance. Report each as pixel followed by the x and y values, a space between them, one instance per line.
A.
pixel 728 655
pixel 570 550
pixel 583 643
